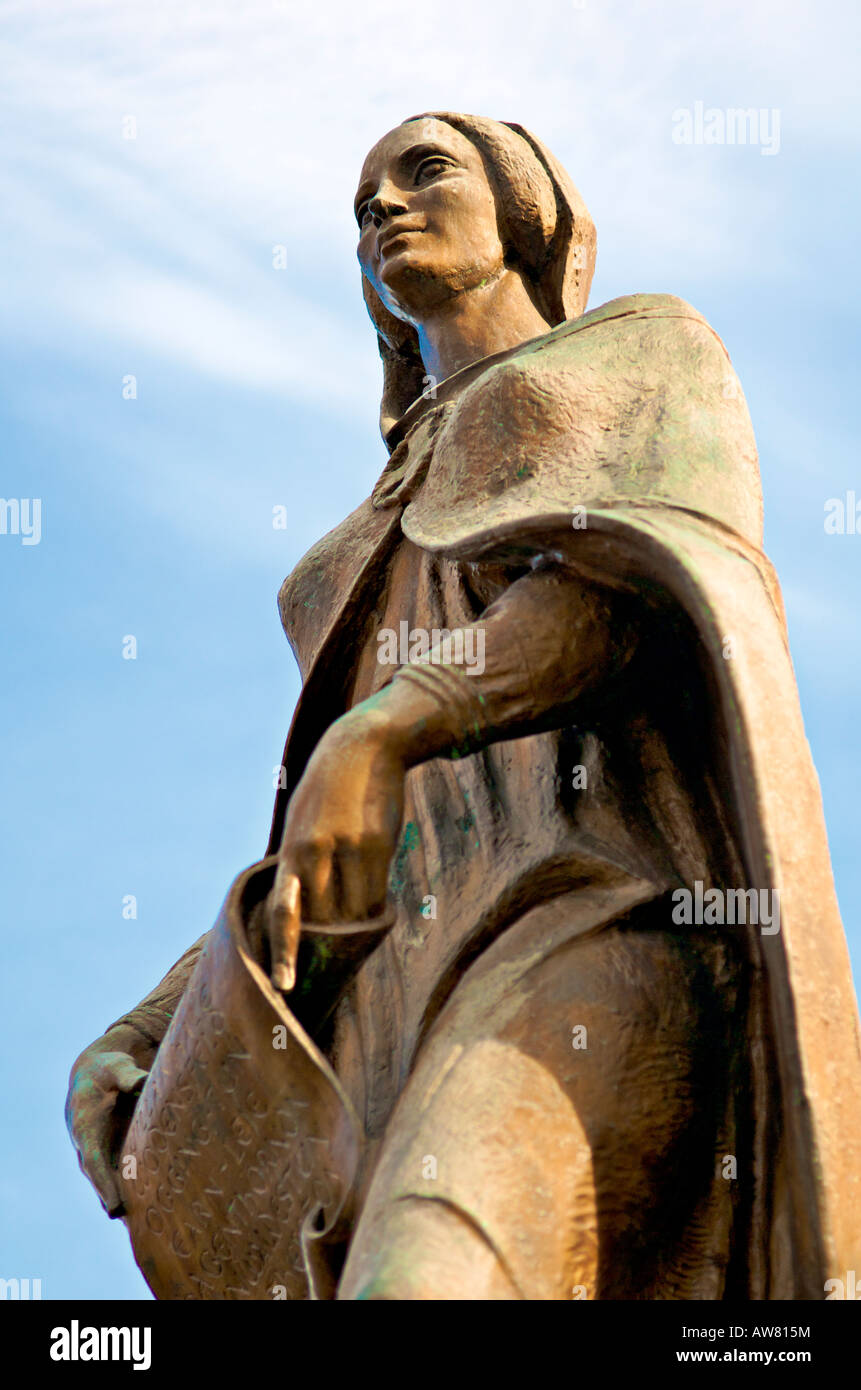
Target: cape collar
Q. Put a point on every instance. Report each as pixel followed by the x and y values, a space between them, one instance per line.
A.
pixel 625 307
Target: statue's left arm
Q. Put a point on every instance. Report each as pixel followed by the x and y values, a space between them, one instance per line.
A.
pixel 547 644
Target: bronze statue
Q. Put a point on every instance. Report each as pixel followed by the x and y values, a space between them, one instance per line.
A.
pixel 541 989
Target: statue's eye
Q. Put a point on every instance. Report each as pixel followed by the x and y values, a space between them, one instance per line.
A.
pixel 430 168
pixel 363 212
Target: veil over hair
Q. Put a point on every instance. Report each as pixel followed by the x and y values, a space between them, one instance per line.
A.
pixel 549 235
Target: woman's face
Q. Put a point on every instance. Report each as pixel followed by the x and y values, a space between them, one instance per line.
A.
pixel 427 218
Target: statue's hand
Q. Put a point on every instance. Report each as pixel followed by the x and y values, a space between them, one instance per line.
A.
pixel 339 836
pixel 98 1080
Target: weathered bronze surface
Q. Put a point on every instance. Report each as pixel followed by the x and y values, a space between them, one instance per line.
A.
pixel 455 1036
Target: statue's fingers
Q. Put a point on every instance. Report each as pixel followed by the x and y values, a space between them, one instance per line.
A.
pixel 353 902
pixel 376 888
pixel 122 1072
pixel 92 1156
pixel 318 880
pixel 284 927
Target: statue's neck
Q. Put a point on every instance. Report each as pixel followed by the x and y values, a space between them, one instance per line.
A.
pixel 478 322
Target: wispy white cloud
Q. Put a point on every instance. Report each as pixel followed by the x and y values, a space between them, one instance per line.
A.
pixel 252 122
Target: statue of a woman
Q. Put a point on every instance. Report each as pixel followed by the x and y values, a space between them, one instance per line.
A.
pixel 541 990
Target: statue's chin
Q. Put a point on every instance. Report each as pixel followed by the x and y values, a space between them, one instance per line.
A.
pixel 406 288
pixel 412 286
pixel 417 308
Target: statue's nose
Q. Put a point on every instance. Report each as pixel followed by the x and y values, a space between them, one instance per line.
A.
pixel 386 202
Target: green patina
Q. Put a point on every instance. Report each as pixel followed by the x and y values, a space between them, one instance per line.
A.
pixel 321 954
pixel 409 842
pixel 467 821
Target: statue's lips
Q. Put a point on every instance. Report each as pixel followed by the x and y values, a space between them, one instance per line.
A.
pixel 393 234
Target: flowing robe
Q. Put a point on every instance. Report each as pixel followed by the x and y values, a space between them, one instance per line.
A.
pixel 617 448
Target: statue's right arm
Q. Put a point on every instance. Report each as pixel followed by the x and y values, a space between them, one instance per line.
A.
pixel 116 1065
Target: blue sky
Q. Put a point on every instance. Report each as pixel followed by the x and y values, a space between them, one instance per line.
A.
pixel 153 256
